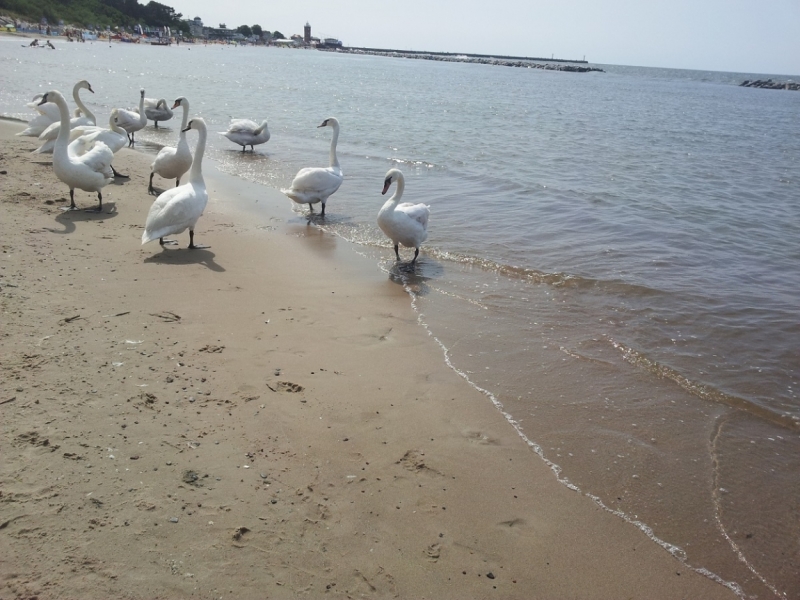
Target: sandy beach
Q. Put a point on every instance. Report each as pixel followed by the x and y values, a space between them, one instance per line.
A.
pixel 263 418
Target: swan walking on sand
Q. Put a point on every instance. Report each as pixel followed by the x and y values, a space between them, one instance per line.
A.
pixel 49 135
pixel 316 184
pixel 157 110
pixel 247 133
pixel 84 138
pixel 404 223
pixel 180 207
pixel 172 163
pixel 90 172
pixel 132 121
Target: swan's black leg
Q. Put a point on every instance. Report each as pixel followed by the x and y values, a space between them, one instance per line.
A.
pixel 243 149
pixel 156 124
pixel 397 252
pixel 177 182
pixel 99 208
pixel 310 208
pixel 150 189
pixel 416 254
pixel 191 242
pixel 323 209
pixel 251 148
pixel 116 174
pixel 71 201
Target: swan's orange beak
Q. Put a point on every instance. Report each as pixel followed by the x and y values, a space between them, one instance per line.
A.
pixel 176 105
pixel 386 185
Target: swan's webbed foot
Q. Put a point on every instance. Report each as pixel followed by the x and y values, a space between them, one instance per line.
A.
pixel 117 173
pixel 99 208
pixel 69 208
pixel 164 242
pixel 71 202
pixel 192 245
pixel 416 254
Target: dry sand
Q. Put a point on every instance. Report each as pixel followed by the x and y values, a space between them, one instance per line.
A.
pixel 260 419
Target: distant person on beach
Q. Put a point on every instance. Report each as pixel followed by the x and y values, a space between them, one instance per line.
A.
pixel 34 43
pixel 50 45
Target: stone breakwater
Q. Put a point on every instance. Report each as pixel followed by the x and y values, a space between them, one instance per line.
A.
pixel 503 62
pixel 768 84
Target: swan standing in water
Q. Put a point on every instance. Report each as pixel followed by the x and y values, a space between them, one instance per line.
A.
pixel 49 135
pixel 132 121
pixel 172 163
pixel 316 184
pixel 404 223
pixel 90 172
pixel 180 207
pixel 84 138
pixel 247 133
pixel 157 110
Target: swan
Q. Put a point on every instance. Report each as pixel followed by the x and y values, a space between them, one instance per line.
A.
pixel 180 207
pixel 247 133
pixel 316 184
pixel 84 138
pixel 172 163
pixel 90 172
pixel 157 110
pixel 132 121
pixel 49 135
pixel 404 223
pixel 47 115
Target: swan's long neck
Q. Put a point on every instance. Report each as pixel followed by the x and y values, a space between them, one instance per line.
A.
pixel 114 127
pixel 76 95
pixel 142 115
pixel 62 141
pixel 196 174
pixel 185 120
pixel 334 140
pixel 398 193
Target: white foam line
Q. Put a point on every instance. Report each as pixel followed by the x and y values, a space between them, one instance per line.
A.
pixel 675 551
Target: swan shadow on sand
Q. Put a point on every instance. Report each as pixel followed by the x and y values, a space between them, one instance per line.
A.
pixel 69 218
pixel 184 256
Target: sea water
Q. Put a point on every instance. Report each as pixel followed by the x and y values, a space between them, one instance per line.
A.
pixel 613 258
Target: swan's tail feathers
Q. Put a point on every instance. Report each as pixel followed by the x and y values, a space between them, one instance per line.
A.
pixel 46 148
pixel 147 236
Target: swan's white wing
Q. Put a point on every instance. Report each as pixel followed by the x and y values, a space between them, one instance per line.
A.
pixel 99 159
pixel 418 212
pixel 127 118
pixel 242 126
pixel 173 211
pixel 313 179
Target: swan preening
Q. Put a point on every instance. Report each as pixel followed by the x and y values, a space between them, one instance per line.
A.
pixel 404 223
pixel 51 132
pixel 172 163
pixel 157 110
pixel 84 138
pixel 180 207
pixel 91 171
pixel 132 121
pixel 316 184
pixel 47 115
pixel 245 132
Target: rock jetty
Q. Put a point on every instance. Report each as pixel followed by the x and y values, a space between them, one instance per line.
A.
pixel 482 60
pixel 768 84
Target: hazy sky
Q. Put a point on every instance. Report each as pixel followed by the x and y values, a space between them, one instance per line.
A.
pixel 725 35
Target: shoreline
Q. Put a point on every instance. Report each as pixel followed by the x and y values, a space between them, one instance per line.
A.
pixel 261 418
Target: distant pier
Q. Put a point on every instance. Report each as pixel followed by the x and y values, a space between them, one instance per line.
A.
pixel 550 64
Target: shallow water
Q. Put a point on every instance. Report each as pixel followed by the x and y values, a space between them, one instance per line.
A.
pixel 613 257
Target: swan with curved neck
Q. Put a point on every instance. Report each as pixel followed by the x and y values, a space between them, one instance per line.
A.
pixel 316 184
pixel 84 138
pixel 180 207
pixel 245 132
pixel 132 121
pixel 404 223
pixel 172 163
pixel 91 171
pixel 49 135
pixel 157 110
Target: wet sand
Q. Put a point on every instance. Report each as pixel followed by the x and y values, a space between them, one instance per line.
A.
pixel 263 418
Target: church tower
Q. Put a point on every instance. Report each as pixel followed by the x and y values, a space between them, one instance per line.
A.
pixel 307 33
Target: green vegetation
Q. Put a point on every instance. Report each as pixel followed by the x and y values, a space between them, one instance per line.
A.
pixel 94 12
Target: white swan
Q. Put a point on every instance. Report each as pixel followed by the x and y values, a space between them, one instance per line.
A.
pixel 316 184
pixel 90 172
pixel 49 135
pixel 247 133
pixel 47 114
pixel 180 207
pixel 172 163
pixel 132 121
pixel 84 138
pixel 404 223
pixel 157 110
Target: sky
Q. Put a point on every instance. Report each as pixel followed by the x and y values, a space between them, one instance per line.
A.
pixel 747 36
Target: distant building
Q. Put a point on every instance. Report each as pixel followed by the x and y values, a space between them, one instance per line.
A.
pixel 221 33
pixel 307 33
pixel 196 27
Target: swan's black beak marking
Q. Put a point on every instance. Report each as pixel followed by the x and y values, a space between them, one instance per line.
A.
pixel 177 103
pixel 386 185
pixel 324 123
pixel 90 89
pixel 44 100
pixel 189 126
